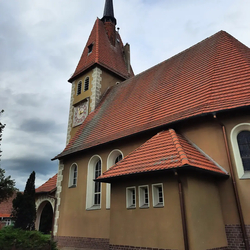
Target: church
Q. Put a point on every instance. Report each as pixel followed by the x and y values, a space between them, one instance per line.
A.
pixel 158 160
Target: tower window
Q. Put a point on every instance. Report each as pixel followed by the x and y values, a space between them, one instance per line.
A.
pixel 243 139
pixel 79 88
pixel 86 84
pixel 90 48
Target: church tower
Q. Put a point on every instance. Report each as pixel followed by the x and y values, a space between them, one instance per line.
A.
pixel 105 61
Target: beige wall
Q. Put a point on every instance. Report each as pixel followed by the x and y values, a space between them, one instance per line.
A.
pixel 206 229
pixel 74 219
pixel 149 227
pixel 208 136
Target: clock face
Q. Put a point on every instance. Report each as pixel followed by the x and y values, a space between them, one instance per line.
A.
pixel 80 113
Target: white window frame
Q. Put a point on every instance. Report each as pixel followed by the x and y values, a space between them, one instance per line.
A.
pixel 91 184
pixel 129 197
pixel 143 192
pixel 111 162
pixel 155 195
pixel 72 175
pixel 242 174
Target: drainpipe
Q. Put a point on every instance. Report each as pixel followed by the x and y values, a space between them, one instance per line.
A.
pixel 236 193
pixel 183 214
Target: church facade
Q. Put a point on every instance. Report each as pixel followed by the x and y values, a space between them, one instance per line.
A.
pixel 158 160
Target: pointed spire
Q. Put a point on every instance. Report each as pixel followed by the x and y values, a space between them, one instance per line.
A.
pixel 108 14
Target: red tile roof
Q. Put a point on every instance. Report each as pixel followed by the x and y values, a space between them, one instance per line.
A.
pixel 48 186
pixel 103 53
pixel 211 76
pixel 166 150
pixel 6 207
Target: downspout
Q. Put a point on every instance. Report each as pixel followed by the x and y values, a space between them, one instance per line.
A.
pixel 183 213
pixel 236 193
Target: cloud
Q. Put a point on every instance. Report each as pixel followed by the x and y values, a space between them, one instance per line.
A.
pixel 42 41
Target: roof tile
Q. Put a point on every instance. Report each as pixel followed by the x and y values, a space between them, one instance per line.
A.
pixel 48 186
pixel 166 150
pixel 211 76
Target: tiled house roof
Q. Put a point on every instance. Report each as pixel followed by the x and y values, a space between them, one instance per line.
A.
pixel 166 150
pixel 103 53
pixel 213 75
pixel 6 207
pixel 48 186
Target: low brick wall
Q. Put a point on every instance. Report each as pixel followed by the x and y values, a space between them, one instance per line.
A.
pixel 233 232
pixel 121 247
pixel 81 242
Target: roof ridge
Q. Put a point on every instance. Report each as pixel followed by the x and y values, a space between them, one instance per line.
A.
pixel 181 152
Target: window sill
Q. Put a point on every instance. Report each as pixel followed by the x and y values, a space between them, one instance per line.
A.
pixel 94 207
pixel 144 206
pixel 245 176
pixel 72 186
pixel 131 207
pixel 159 205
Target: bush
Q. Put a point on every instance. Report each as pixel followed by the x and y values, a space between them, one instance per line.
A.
pixel 18 239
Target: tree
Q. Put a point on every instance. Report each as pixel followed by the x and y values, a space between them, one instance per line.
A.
pixel 24 207
pixel 2 126
pixel 7 186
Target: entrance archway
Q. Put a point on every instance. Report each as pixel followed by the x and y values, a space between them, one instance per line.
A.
pixel 44 214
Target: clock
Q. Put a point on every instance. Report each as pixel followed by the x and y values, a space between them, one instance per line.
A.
pixel 80 113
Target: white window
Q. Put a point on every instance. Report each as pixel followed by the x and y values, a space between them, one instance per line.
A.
pixel 240 140
pixel 158 196
pixel 143 196
pixel 114 157
pixel 73 175
pixel 93 197
pixel 8 222
pixel 131 197
pixel 86 84
pixel 79 88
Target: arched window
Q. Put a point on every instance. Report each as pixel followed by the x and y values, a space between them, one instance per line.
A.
pixel 114 157
pixel 73 175
pixel 93 197
pixel 243 139
pixel 240 139
pixel 97 189
pixel 79 88
pixel 86 84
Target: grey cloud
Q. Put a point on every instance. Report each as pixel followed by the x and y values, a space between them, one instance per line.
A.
pixel 38 126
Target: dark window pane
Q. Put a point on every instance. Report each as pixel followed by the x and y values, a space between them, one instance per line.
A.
pixel 243 139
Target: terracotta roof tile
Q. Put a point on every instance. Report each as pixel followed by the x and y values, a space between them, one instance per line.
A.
pixel 166 150
pixel 211 76
pixel 6 207
pixel 103 53
pixel 48 186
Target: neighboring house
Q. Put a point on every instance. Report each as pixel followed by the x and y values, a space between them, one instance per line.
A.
pixel 5 212
pixel 160 160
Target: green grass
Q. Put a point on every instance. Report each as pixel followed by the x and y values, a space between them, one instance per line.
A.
pixel 17 239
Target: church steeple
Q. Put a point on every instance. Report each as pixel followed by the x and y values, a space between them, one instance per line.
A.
pixel 108 14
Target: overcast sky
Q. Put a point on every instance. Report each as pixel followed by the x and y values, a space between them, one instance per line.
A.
pixel 41 42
